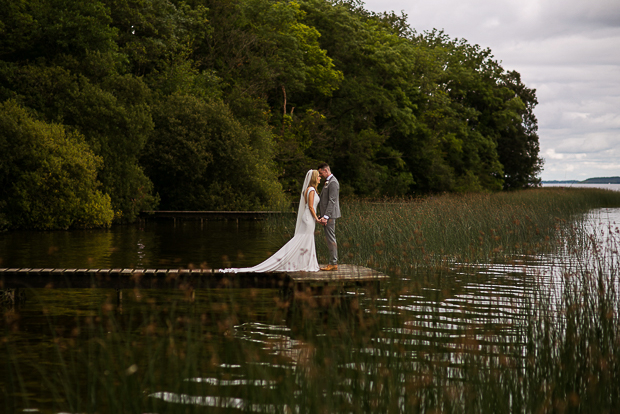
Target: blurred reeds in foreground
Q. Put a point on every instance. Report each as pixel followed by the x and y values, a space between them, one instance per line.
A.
pixel 531 341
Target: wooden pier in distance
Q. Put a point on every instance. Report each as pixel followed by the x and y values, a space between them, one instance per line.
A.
pixel 213 215
pixel 347 276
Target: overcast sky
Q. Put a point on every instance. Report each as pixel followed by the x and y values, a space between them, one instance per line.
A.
pixel 568 50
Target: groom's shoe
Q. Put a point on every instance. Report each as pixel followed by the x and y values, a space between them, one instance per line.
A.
pixel 330 267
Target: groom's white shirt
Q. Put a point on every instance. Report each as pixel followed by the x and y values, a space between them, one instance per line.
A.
pixel 326 181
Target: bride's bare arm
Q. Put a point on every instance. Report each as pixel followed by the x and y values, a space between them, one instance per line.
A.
pixel 310 197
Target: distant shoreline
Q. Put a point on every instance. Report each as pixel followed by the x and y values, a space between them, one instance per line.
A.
pixel 596 180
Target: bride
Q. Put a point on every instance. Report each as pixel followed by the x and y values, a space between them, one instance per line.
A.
pixel 299 254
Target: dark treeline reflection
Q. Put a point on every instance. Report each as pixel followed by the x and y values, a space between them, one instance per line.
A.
pixel 150 244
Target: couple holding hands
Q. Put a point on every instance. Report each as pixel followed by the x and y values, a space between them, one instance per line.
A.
pixel 299 253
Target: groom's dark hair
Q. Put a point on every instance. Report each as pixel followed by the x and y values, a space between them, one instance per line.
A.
pixel 322 166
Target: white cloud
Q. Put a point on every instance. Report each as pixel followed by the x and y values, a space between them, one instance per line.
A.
pixel 566 50
pixel 550 153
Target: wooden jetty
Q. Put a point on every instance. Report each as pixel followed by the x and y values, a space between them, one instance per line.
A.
pixel 14 280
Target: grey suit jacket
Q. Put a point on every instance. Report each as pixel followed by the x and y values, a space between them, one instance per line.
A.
pixel 330 199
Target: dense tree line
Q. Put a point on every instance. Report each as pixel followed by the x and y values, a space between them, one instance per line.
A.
pixel 110 107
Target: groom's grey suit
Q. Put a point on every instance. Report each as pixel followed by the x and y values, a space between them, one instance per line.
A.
pixel 329 206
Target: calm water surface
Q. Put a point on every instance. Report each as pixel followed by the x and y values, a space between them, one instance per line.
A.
pixel 265 342
pixel 151 244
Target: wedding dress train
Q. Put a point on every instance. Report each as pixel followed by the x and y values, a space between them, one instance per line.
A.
pixel 299 253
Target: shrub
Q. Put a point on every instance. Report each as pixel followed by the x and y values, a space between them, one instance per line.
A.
pixel 47 175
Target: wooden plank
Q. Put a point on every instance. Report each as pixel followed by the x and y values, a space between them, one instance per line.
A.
pixel 345 272
pixel 172 278
pixel 213 215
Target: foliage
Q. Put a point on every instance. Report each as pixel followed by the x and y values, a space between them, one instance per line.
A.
pixel 518 146
pixel 201 158
pixel 394 112
pixel 47 175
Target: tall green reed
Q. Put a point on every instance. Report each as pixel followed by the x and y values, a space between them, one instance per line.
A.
pixel 397 236
pixel 553 350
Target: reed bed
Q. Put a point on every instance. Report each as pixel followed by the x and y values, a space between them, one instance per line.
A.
pixel 461 228
pixel 448 334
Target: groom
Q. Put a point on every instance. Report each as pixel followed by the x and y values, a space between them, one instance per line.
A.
pixel 329 205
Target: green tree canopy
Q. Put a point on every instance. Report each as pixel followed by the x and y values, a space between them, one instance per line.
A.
pixel 224 104
pixel 47 175
pixel 202 158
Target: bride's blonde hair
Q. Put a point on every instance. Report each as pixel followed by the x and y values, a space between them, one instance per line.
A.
pixel 314 181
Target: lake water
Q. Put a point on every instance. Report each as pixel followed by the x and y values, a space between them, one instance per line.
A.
pixel 150 244
pixel 258 359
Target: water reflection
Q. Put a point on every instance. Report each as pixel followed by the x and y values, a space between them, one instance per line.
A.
pixel 351 352
pixel 603 223
pixel 151 244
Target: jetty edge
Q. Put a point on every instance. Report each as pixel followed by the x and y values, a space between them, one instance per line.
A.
pixel 212 215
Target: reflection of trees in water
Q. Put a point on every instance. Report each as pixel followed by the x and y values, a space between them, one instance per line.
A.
pixel 148 244
pixel 58 249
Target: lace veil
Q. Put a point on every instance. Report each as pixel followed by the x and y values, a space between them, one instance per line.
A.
pixel 302 200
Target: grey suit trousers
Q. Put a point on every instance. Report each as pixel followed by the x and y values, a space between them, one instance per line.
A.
pixel 330 237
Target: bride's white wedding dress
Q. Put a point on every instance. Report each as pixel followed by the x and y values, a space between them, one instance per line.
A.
pixel 299 254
